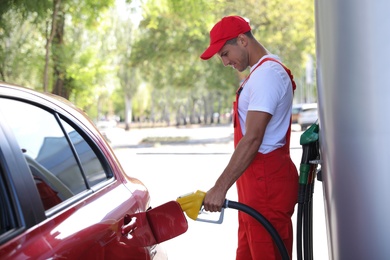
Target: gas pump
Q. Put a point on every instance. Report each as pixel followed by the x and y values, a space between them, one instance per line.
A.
pixel 307 175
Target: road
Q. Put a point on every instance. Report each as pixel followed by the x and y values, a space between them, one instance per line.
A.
pixel 177 168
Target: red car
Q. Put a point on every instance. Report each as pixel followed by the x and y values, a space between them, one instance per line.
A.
pixel 63 193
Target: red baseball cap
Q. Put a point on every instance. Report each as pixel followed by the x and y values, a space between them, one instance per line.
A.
pixel 228 28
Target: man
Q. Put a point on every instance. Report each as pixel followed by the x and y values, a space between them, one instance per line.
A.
pixel 265 176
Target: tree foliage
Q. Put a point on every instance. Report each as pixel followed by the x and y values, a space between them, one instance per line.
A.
pixel 174 33
pixel 19 49
pixel 100 56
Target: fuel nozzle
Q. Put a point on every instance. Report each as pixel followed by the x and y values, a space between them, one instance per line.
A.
pixel 192 205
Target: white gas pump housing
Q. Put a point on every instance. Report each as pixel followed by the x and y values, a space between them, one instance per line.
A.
pixel 353 73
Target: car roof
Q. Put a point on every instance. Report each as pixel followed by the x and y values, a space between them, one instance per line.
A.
pixel 13 90
pixel 49 100
pixel 297 105
pixel 309 105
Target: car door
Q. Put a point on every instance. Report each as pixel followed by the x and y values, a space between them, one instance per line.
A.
pixel 17 196
pixel 70 202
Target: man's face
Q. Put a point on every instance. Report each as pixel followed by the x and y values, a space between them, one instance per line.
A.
pixel 234 55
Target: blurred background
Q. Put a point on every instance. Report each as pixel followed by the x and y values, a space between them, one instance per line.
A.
pixel 136 62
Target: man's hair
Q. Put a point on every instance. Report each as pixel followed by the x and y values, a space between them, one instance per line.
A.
pixel 234 40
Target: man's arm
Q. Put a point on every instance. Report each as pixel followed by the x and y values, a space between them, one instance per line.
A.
pixel 246 150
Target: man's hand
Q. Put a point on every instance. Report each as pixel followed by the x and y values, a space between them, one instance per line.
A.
pixel 214 199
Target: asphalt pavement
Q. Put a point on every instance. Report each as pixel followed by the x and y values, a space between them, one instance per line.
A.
pixel 195 138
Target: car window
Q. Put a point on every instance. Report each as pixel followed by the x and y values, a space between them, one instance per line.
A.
pixel 7 219
pixel 310 110
pixel 91 165
pixel 296 110
pixel 61 161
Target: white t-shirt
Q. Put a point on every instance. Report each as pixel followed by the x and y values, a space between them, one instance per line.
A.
pixel 268 89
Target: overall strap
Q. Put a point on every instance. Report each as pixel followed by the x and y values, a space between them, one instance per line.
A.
pixel 238 135
pixel 258 65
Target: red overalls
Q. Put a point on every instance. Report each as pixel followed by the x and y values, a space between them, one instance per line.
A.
pixel 270 186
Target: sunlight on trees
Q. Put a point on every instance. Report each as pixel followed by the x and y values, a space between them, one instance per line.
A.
pixel 140 59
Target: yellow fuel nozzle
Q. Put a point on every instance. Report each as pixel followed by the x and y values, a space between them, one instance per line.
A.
pixel 191 203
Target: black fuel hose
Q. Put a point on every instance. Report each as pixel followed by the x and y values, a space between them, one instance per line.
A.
pixel 263 221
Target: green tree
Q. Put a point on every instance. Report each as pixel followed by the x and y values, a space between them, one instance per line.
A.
pixel 86 12
pixel 174 33
pixel 127 73
pixel 20 54
pixel 90 53
pixel 167 52
pixel 57 21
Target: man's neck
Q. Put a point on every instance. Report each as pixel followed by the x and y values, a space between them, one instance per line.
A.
pixel 258 52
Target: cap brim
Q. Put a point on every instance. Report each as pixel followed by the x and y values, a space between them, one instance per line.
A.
pixel 212 50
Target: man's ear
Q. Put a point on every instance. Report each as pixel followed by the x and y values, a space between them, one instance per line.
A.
pixel 242 40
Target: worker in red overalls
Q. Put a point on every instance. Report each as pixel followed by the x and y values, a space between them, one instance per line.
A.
pixel 265 176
